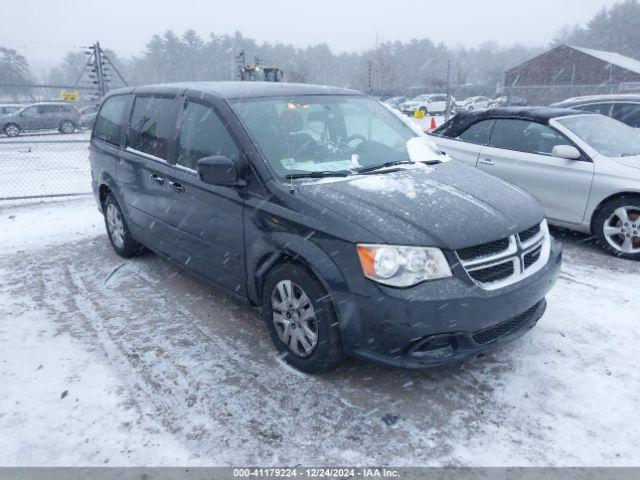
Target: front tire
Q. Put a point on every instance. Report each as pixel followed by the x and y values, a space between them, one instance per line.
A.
pixel 301 319
pixel 616 225
pixel 11 130
pixel 118 230
pixel 67 126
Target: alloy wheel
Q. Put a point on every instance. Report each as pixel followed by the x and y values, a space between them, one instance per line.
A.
pixel 622 229
pixel 11 131
pixel 115 225
pixel 294 318
pixel 67 127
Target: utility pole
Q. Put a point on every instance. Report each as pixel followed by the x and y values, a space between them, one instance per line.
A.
pixel 99 70
pixel 240 63
pixel 369 64
pixel 99 65
pixel 448 108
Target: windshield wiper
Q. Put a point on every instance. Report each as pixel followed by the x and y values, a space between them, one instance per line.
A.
pixel 318 174
pixel 384 165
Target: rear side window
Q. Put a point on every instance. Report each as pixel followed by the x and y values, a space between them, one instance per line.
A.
pixel 111 119
pixel 152 125
pixel 202 135
pixel 628 113
pixel 478 133
pixel 525 136
pixel 602 108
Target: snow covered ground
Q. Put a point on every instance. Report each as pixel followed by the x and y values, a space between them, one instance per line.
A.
pixel 112 362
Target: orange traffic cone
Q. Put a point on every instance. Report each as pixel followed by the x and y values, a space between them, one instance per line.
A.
pixel 433 123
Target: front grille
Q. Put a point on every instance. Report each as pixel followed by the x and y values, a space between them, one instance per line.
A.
pixel 529 233
pixel 492 274
pixel 505 261
pixel 483 250
pixel 532 257
pixel 493 333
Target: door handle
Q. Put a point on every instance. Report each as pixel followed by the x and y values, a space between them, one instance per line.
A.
pixel 486 161
pixel 156 178
pixel 176 186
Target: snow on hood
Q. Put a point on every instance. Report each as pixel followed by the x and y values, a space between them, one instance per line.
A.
pixel 422 149
pixel 447 205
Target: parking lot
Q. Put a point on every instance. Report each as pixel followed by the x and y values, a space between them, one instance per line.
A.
pixel 112 362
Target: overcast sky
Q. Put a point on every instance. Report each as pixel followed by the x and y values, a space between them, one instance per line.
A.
pixel 44 30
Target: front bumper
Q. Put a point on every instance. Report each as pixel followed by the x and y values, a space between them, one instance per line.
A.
pixel 442 321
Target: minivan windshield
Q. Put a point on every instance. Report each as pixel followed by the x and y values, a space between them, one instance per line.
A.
pixel 322 135
pixel 607 136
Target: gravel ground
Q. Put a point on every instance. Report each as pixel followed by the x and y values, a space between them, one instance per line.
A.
pixel 112 362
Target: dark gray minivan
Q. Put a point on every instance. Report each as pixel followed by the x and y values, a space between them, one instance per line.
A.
pixel 321 207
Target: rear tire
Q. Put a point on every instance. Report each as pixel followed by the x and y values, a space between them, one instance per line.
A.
pixel 616 225
pixel 118 230
pixel 11 130
pixel 301 319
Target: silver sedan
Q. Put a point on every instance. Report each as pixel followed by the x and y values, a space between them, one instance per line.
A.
pixel 583 168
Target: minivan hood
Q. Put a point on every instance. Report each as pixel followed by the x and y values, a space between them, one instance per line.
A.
pixel 447 205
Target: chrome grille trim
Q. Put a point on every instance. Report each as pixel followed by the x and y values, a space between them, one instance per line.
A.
pixel 514 254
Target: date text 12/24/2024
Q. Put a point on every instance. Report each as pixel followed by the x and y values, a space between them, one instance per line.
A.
pixel 315 472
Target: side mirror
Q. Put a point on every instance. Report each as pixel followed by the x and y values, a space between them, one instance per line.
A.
pixel 221 170
pixel 566 151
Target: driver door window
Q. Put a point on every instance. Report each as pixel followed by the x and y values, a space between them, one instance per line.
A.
pixel 202 135
pixel 33 118
pixel 32 111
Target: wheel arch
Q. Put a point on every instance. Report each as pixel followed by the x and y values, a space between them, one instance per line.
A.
pixel 601 204
pixel 262 257
pixel 107 185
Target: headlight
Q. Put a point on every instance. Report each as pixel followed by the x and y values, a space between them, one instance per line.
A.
pixel 402 266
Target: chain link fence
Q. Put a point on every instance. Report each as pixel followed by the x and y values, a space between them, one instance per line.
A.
pixel 547 94
pixel 39 166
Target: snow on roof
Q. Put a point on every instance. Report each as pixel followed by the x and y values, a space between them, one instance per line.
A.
pixel 621 61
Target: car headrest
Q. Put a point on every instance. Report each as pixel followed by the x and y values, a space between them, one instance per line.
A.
pixel 291 121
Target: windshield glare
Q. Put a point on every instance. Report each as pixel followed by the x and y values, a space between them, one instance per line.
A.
pixel 607 136
pixel 325 133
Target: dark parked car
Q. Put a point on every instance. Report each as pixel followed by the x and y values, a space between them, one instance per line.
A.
pixel 625 108
pixel 41 116
pixel 350 233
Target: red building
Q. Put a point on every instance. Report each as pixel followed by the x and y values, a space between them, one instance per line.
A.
pixel 569 71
